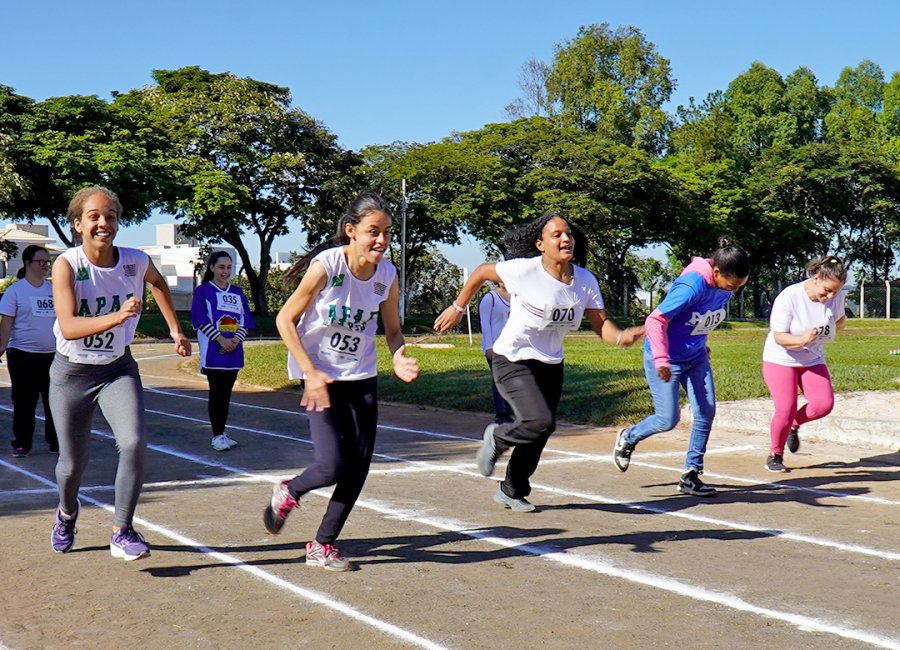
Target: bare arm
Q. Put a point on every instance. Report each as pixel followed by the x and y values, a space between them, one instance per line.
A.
pixel 451 316
pixel 160 290
pixel 6 324
pixel 406 368
pixel 789 341
pixel 315 391
pixel 609 331
pixel 78 327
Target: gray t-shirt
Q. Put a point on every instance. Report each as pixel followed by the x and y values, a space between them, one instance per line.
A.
pixel 32 308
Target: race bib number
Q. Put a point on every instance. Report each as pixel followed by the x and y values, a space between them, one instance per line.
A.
pixel 229 302
pixel 559 317
pixel 706 323
pixel 341 348
pixel 42 306
pixel 826 333
pixel 98 349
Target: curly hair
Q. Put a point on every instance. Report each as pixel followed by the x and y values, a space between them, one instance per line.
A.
pixel 521 241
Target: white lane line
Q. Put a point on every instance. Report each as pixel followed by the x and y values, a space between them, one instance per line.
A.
pixel 606 458
pixel 592 563
pixel 458 469
pixel 319 598
pixel 462 469
pixel 549 553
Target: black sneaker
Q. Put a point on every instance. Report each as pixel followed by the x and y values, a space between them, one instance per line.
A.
pixel 20 452
pixel 775 463
pixel 691 484
pixel 488 454
pixel 793 441
pixel 622 451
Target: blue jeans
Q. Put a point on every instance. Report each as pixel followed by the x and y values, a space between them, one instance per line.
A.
pixel 695 376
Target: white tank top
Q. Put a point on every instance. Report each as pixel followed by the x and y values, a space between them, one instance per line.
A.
pixel 98 291
pixel 338 328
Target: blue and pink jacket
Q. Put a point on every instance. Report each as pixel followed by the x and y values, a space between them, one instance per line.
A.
pixel 678 328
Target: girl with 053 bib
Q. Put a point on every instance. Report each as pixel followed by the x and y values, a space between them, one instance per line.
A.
pixel 328 325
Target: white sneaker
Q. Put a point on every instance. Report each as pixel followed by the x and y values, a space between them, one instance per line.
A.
pixel 231 443
pixel 221 443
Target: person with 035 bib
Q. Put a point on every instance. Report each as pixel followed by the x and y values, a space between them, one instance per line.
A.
pixel 221 315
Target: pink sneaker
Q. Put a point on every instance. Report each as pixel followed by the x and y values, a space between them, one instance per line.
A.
pixel 326 556
pixel 279 508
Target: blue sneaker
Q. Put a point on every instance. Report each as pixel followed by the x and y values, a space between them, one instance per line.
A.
pixel 128 544
pixel 62 538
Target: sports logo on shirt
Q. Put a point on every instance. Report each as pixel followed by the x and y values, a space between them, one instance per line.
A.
pixel 82 274
pixel 337 280
pixel 130 270
pixel 380 288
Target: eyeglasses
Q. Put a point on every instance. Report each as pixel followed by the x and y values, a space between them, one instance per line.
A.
pixel 41 262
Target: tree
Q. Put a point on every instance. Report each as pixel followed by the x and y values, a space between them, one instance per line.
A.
pixel 614 83
pixel 70 142
pixel 858 100
pixel 241 160
pixel 533 84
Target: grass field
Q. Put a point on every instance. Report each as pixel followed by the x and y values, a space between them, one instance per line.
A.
pixel 606 385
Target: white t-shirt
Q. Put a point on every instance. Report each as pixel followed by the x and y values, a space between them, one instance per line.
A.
pixel 793 312
pixel 542 309
pixel 100 290
pixel 32 308
pixel 493 312
pixel 338 328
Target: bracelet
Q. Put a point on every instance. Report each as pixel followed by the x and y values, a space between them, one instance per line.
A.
pixel 619 339
pixel 459 310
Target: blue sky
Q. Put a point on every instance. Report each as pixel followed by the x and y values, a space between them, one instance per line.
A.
pixel 376 72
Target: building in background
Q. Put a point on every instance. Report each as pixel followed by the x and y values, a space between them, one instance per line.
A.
pixel 180 261
pixel 24 235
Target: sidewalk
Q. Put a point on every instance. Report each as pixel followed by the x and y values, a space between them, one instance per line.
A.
pixel 865 418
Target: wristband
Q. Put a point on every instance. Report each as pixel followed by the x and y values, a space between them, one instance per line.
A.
pixel 459 310
pixel 619 339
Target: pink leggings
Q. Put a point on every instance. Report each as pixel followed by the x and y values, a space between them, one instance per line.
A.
pixel 782 382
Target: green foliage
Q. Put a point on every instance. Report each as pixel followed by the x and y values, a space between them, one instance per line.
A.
pixel 239 160
pixel 614 83
pixel 605 385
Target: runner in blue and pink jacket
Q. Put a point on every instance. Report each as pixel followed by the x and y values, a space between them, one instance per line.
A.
pixel 675 356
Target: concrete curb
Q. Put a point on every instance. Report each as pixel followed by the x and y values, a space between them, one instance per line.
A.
pixel 864 419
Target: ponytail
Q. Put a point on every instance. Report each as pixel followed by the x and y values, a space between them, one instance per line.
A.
pixel 828 267
pixel 211 262
pixel 731 260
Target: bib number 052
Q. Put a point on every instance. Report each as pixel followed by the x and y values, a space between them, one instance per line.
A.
pixel 101 341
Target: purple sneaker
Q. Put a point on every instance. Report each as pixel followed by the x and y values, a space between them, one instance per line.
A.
pixel 279 508
pixel 62 538
pixel 128 544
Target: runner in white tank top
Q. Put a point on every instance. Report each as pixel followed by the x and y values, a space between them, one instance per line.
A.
pixel 328 325
pixel 98 291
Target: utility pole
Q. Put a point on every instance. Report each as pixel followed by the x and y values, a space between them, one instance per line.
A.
pixel 403 206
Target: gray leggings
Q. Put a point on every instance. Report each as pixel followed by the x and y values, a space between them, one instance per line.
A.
pixel 76 389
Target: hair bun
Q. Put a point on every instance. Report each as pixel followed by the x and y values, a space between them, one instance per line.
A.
pixel 724 242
